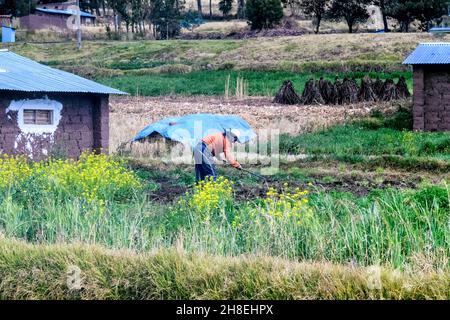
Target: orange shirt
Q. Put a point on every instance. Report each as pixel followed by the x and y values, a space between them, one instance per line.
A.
pixel 218 143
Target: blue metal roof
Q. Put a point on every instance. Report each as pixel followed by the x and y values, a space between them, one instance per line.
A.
pixel 439 29
pixel 18 73
pixel 65 12
pixel 430 53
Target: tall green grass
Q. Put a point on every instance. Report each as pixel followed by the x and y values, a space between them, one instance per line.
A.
pixel 390 228
pixel 371 137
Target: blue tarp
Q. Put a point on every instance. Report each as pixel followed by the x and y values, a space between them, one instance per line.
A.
pixel 192 128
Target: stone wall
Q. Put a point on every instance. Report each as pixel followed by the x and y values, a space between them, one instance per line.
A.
pixel 431 110
pixel 84 125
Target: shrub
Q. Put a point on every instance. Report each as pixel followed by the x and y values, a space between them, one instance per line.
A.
pixel 263 14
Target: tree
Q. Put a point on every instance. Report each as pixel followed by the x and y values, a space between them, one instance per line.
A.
pixel 199 7
pixel 241 9
pixel 429 10
pixel 352 11
pixel 17 8
pixel 225 6
pixel 165 16
pixel 383 7
pixel 315 8
pixel 263 14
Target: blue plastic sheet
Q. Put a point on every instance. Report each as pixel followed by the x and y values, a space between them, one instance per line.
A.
pixel 192 128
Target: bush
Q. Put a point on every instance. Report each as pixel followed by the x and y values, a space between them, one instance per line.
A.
pixel 263 14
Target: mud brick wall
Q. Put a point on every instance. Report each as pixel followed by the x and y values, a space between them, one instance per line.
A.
pixel 431 110
pixel 84 126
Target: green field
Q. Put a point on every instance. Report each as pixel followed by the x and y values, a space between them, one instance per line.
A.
pixel 367 194
pixel 258 83
pixel 202 66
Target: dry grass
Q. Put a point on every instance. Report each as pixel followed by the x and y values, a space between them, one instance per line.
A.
pixel 131 114
pixel 41 272
pixel 292 52
pixel 223 26
pixel 307 52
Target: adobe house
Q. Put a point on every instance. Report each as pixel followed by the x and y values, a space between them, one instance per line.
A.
pixel 431 67
pixel 45 111
pixel 59 15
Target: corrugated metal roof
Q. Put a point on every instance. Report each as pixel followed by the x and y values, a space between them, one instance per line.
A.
pixel 65 12
pixel 430 53
pixel 22 74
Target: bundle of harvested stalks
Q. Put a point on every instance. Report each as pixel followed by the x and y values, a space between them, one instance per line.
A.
pixel 378 87
pixel 343 92
pixel 402 89
pixel 311 94
pixel 287 94
pixel 349 91
pixel 338 86
pixel 366 92
pixel 389 91
pixel 328 91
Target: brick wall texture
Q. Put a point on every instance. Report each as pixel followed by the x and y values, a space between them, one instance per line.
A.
pixel 84 126
pixel 431 110
pixel 43 21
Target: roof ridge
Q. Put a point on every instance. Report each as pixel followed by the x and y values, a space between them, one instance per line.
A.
pixel 25 74
pixel 435 43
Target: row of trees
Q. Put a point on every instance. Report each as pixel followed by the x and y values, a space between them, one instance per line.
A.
pixel 163 16
pixel 355 11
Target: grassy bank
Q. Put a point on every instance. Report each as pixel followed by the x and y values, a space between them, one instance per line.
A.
pixel 41 272
pixel 374 137
pixel 308 53
pixel 258 83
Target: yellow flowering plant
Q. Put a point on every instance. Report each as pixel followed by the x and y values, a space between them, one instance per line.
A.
pixel 288 204
pixel 13 171
pixel 210 195
pixel 94 178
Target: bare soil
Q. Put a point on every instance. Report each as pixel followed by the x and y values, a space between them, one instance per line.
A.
pixel 323 176
pixel 131 114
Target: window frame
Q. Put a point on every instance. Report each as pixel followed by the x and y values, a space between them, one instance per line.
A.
pixel 35 117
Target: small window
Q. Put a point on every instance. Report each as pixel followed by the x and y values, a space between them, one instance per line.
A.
pixel 38 117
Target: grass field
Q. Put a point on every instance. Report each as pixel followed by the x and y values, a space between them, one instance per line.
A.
pixel 337 51
pixel 97 202
pixel 163 67
pixel 335 220
pixel 357 210
pixel 258 83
